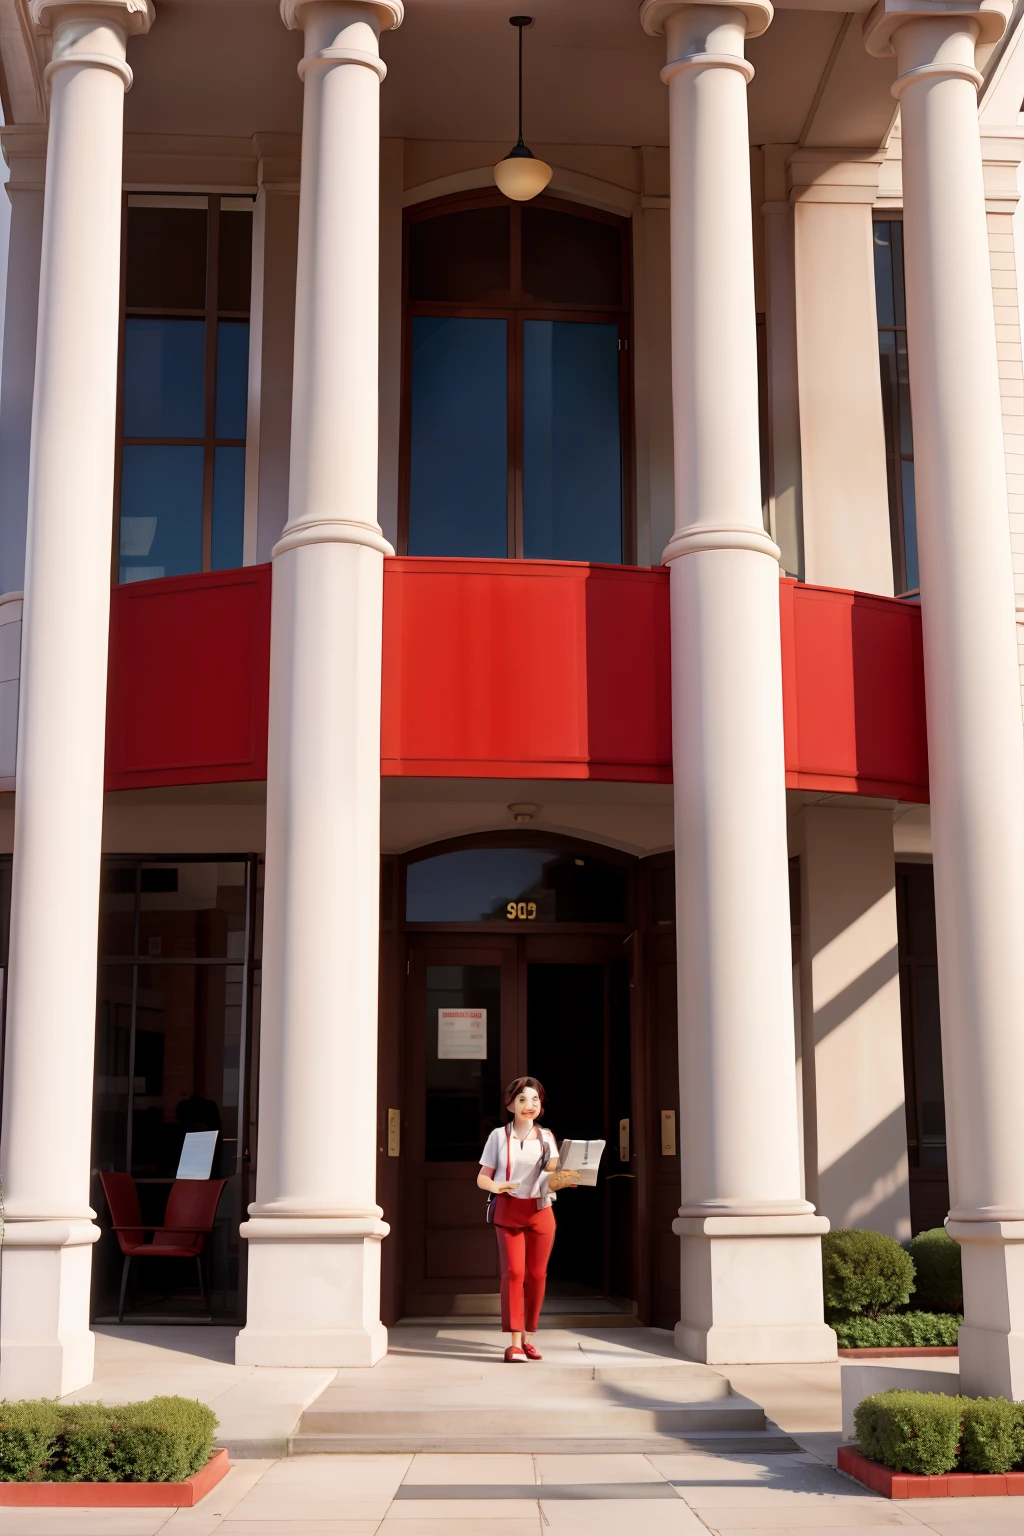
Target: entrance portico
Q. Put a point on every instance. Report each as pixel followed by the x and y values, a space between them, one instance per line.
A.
pixel 748 1235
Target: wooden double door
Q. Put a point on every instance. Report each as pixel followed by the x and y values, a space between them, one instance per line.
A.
pixel 561 1008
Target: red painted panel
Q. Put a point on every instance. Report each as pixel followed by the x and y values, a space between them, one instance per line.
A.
pixel 534 669
pixel 188 680
pixel 526 669
pixel 853 692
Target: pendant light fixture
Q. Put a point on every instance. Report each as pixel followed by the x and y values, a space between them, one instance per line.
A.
pixel 521 175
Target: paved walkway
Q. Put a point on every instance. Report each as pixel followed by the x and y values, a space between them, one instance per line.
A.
pixel 657 1493
pixel 537 1495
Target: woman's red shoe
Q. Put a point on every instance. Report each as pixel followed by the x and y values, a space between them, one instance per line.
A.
pixel 514 1355
pixel 531 1352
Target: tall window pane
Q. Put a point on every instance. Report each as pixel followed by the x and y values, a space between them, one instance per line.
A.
pixel 572 455
pixel 161 511
pixel 164 362
pixel 184 386
pixel 890 302
pixel 458 495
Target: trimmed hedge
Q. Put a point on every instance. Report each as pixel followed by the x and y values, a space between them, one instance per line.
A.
pixel 929 1433
pixel 898 1330
pixel 936 1258
pixel 864 1273
pixel 164 1440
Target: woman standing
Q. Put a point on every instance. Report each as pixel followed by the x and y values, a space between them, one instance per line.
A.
pixel 523 1219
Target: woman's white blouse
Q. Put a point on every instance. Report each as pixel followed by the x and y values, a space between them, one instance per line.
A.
pixel 525 1156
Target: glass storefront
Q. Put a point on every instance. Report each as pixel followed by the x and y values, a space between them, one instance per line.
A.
pixel 172 1038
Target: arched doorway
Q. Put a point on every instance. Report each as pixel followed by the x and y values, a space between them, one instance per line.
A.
pixel 520 956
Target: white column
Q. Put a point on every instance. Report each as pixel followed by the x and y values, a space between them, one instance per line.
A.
pixel 315 1229
pixel 46 1347
pixel 975 742
pixel 750 1249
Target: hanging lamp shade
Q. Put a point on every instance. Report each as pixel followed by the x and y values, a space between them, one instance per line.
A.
pixel 521 175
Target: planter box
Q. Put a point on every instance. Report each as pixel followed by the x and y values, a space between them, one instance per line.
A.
pixel 118 1495
pixel 901 1352
pixel 918 1485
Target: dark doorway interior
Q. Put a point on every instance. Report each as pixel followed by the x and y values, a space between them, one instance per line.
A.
pixel 578 1046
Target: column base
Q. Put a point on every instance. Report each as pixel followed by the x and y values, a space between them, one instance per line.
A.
pixel 991 1341
pixel 313 1292
pixel 47 1348
pixel 750 1290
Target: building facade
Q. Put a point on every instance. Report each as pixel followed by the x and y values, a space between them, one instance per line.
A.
pixel 445 637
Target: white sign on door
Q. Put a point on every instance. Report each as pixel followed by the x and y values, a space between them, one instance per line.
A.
pixel 462 1034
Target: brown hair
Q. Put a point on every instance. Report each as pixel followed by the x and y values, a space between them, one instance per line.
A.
pixel 516 1087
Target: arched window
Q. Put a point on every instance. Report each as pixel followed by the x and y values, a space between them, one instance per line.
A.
pixel 516 409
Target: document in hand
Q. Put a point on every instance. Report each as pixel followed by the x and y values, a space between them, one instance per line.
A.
pixel 582 1156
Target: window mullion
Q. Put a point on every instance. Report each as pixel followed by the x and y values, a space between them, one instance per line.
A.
pixel 210 380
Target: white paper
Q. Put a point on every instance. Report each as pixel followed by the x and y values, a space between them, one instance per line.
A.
pixel 462 1034
pixel 582 1157
pixel 196 1160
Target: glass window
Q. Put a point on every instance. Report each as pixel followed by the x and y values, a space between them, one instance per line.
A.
pixel 572 457
pixel 462 1095
pixel 515 885
pixel 567 259
pixel 458 492
pixel 170 1049
pixel 922 1029
pixel 517 384
pixel 890 303
pixel 185 387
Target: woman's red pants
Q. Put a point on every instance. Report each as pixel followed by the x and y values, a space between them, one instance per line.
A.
pixel 525 1239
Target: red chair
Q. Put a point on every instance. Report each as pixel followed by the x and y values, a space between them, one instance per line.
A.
pixel 188 1222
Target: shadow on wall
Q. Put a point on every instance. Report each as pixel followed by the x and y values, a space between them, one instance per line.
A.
pixel 883 1206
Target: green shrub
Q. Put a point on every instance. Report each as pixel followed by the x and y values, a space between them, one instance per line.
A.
pixel 992 1434
pixel 898 1330
pixel 163 1440
pixel 936 1258
pixel 27 1431
pixel 80 1452
pixel 864 1272
pixel 910 1431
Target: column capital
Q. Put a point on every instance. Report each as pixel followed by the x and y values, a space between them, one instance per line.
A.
pixel 989 18
pixel 390 13
pixel 133 16
pixel 654 14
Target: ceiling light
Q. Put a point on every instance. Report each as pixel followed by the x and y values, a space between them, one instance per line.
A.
pixel 521 175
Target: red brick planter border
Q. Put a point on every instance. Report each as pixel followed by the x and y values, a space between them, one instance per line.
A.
pixel 915 1485
pixel 916 1352
pixel 118 1495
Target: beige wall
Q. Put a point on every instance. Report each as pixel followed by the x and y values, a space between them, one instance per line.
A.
pixel 845 496
pixel 855 1135
pixel 275 243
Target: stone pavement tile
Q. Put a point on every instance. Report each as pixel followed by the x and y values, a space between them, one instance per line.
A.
pixel 298 1507
pixel 298 1527
pixel 870 1515
pixel 472 1526
pixel 430 1467
pixel 616 1517
pixel 956 1512
pixel 795 1397
pixel 82 1522
pixel 407 1512
pixel 1011 1525
pixel 361 1476
pixel 206 1517
pixel 804 1473
pixel 624 1468
pixel 475 1525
